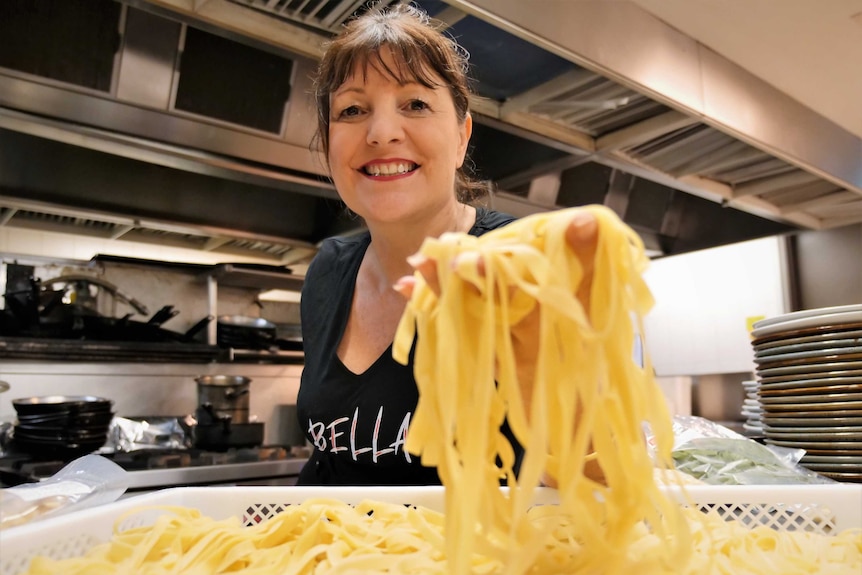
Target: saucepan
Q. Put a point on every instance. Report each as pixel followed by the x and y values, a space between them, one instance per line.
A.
pixel 227 394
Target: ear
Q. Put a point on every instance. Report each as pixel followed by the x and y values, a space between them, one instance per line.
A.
pixel 464 133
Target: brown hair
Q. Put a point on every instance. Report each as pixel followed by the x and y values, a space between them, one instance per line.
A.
pixel 422 54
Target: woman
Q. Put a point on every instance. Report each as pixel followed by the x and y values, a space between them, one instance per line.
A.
pixel 394 125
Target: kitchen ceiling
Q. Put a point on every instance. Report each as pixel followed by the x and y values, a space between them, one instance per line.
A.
pixel 811 51
pixel 583 101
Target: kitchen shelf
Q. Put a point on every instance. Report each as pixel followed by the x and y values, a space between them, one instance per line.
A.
pixel 264 356
pixel 259 277
pixel 42 349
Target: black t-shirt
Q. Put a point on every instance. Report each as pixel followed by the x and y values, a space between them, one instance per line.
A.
pixel 357 423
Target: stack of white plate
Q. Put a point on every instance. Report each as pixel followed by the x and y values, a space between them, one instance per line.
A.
pixel 751 410
pixel 809 367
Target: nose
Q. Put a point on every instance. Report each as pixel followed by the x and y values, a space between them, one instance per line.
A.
pixel 384 127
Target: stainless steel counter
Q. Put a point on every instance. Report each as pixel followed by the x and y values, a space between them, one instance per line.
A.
pixel 281 472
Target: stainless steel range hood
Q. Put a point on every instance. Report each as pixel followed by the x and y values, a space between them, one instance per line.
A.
pixel 641 97
pixel 128 163
pixel 706 123
pixel 691 151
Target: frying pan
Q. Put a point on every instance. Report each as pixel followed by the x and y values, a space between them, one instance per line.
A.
pixel 244 332
pixel 52 404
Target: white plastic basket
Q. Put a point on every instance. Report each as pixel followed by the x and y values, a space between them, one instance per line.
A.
pixel 823 509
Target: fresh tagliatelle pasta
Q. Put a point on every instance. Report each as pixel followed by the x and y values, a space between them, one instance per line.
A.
pixel 587 399
pixel 316 536
pixel 325 536
pixel 583 404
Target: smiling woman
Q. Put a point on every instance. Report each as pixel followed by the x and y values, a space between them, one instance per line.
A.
pixel 394 125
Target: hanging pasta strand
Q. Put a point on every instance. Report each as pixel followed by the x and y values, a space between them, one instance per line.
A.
pixel 588 398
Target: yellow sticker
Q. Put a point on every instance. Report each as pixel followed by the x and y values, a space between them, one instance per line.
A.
pixel 751 320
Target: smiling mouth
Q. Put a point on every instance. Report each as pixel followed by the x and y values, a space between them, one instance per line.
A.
pixel 390 169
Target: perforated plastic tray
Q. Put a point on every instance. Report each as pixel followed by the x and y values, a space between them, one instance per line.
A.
pixel 820 508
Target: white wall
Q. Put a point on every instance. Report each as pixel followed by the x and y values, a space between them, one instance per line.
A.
pixel 704 300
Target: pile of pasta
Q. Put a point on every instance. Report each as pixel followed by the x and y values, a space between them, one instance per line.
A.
pixel 584 404
pixel 328 536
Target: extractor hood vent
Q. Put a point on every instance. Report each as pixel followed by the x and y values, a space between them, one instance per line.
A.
pixel 16 214
pixel 58 223
pixel 584 101
pixel 706 152
pixel 324 15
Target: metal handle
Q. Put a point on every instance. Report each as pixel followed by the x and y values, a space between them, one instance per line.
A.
pixel 233 394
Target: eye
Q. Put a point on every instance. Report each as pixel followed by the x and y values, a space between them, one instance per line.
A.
pixel 349 112
pixel 417 105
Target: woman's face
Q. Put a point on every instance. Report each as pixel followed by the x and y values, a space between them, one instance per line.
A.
pixel 394 148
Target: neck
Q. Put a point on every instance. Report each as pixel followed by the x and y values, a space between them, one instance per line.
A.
pixel 392 244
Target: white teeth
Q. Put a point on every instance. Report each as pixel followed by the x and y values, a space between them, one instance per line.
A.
pixel 389 169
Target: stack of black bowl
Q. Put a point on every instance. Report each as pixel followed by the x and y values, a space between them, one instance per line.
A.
pixel 60 426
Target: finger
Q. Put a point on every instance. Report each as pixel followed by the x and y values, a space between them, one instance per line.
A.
pixel 582 236
pixel 428 269
pixel 405 285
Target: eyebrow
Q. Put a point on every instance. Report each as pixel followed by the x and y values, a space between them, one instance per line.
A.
pixel 340 91
pixel 361 89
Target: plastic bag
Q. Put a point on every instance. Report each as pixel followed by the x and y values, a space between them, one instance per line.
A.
pixel 717 455
pixel 85 482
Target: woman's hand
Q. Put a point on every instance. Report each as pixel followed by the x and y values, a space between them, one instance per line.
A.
pixel 582 238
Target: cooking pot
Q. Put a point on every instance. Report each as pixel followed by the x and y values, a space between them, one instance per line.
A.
pixel 227 394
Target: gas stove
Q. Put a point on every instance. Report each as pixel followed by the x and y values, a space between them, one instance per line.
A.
pixel 152 469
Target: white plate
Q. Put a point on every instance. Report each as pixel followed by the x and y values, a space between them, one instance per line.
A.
pixel 832 458
pixel 854 447
pixel 838 408
pixel 854 315
pixel 832 352
pixel 804 422
pixel 819 382
pixel 822 430
pixel 808 391
pixel 810 368
pixel 825 336
pixel 806 313
pixel 841 467
pixel 812 346
pixel 838 398
pixel 815 437
pixel 854 477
